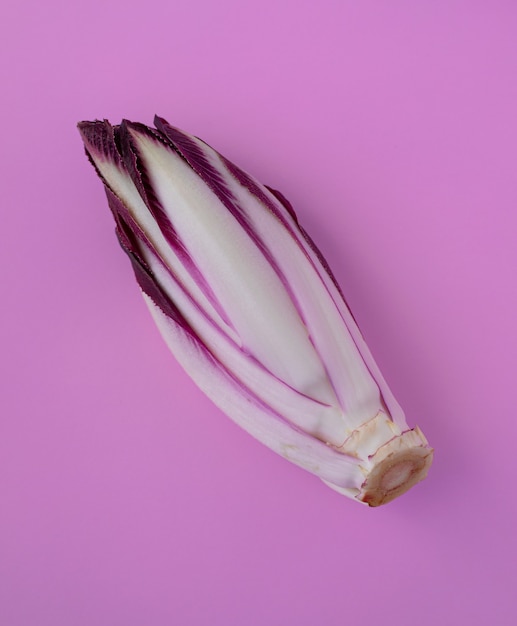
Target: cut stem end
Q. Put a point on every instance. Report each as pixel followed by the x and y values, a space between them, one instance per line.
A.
pixel 396 467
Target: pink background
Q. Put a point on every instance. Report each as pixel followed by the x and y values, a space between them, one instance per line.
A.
pixel 126 498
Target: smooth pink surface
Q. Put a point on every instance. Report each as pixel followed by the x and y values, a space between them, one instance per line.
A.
pixel 126 498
